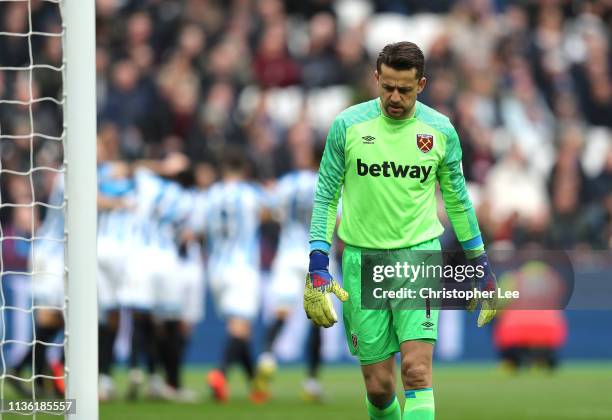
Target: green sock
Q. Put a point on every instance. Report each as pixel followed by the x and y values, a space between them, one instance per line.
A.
pixel 419 404
pixel 391 411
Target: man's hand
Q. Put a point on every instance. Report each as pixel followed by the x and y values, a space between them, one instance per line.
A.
pixel 487 282
pixel 319 284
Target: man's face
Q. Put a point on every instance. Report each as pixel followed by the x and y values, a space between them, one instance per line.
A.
pixel 398 90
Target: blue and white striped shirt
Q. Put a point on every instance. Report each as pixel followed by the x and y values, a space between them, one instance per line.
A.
pixel 292 205
pixel 230 219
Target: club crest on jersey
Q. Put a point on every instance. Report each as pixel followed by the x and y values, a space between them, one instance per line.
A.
pixel 424 142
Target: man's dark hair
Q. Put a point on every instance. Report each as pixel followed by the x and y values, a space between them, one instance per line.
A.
pixel 234 159
pixel 402 56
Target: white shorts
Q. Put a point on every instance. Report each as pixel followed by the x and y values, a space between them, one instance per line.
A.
pixel 170 283
pixel 181 296
pixel 146 269
pixel 288 278
pixel 236 291
pixel 112 257
pixel 192 275
pixel 48 278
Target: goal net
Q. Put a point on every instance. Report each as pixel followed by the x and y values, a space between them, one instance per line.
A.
pixel 41 356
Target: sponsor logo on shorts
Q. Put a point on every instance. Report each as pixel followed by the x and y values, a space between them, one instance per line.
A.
pixel 428 326
pixel 354 340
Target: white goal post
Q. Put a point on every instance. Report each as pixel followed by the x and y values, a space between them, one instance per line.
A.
pixel 81 192
pixel 78 139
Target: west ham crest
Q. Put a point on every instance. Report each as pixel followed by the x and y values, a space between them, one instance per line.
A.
pixel 424 142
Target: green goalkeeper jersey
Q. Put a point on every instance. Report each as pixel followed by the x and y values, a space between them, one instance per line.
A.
pixel 386 171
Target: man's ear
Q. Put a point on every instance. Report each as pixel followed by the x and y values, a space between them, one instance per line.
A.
pixel 421 84
pixel 376 75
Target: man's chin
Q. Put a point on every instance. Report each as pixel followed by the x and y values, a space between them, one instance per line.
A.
pixel 395 112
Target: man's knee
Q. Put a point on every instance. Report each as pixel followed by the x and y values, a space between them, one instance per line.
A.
pixel 380 388
pixel 239 327
pixel 416 373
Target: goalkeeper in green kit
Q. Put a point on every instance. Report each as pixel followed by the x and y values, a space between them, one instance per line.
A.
pixel 385 157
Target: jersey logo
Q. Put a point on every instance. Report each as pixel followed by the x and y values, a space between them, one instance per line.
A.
pixel 368 139
pixel 392 169
pixel 427 326
pixel 424 142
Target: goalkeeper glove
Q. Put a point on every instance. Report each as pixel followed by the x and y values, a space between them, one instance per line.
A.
pixel 487 282
pixel 319 284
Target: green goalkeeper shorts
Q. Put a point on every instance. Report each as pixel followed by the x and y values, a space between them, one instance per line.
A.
pixel 374 335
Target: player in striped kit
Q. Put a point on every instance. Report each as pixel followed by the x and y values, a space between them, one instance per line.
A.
pixel 116 226
pixel 230 223
pixel 150 275
pixel 177 284
pixel 131 234
pixel 292 207
pixel 179 325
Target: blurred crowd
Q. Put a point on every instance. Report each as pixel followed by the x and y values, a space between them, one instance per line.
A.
pixel 528 85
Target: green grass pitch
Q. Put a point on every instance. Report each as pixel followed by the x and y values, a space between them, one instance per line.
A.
pixel 576 391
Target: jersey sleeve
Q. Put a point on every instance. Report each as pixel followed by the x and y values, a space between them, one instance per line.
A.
pixel 329 187
pixel 456 199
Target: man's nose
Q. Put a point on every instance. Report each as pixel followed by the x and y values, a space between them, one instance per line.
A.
pixel 395 96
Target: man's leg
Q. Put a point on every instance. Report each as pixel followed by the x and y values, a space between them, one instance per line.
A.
pixel 143 344
pixel 417 379
pixel 285 293
pixel 236 351
pixel 417 332
pixel 142 340
pixel 170 343
pixel 107 333
pixel 313 352
pixel 379 381
pixel 274 329
pixel 18 294
pixel 266 363
pixel 237 347
pixel 48 324
pixel 312 389
pixel 370 337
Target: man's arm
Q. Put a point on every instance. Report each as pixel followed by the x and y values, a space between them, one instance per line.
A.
pixel 329 187
pixel 319 281
pixel 171 165
pixel 456 199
